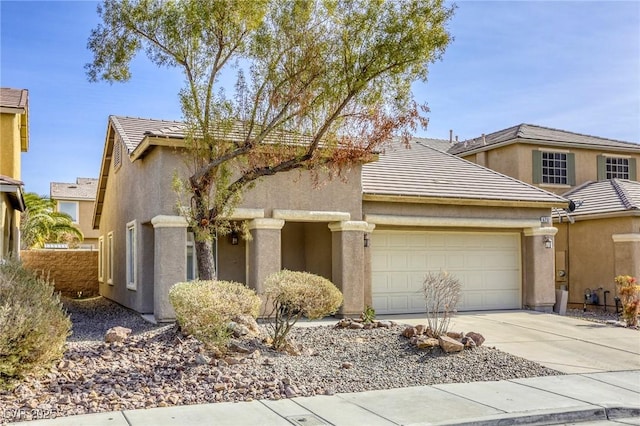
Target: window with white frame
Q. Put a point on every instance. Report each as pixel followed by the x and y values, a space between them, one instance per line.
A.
pixel 192 263
pixel 192 260
pixel 101 259
pixel 131 255
pixel 109 262
pixel 70 208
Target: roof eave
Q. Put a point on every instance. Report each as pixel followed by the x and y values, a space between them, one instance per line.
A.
pixel 150 141
pixel 543 142
pixel 605 215
pixel 414 199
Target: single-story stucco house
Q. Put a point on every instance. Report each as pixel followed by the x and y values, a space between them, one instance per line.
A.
pixel 374 234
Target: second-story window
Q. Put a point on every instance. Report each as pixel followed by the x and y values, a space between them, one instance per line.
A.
pixel 616 167
pixel 70 208
pixel 553 168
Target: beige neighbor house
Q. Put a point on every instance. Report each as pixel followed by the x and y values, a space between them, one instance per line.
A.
pixel 77 200
pixel 14 140
pixel 374 234
pixel 601 237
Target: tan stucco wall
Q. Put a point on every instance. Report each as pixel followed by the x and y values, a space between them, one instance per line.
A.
pixel 85 219
pixel 71 271
pixel 453 211
pixel 143 190
pixel 590 259
pixel 10 145
pixel 515 160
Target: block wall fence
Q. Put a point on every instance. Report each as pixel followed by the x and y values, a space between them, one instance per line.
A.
pixel 71 271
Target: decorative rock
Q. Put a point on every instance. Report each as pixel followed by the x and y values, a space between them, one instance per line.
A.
pixel 202 359
pixel 426 342
pixel 384 324
pixel 218 387
pixel 450 345
pixel 290 391
pixel 237 347
pixel 468 342
pixel 347 365
pixel 455 335
pixel 117 334
pixel 238 330
pixel 409 332
pixel 421 328
pixel 356 326
pixel 250 323
pixel 477 338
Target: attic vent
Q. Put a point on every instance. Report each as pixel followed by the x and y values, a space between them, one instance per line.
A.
pixel 117 153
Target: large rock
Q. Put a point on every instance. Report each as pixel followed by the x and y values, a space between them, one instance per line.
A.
pixel 409 332
pixel 117 334
pixel 476 337
pixel 426 342
pixel 450 345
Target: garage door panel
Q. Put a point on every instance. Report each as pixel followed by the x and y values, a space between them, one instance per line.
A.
pixel 487 264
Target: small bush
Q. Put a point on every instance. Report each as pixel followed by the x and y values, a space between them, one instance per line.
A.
pixel 296 294
pixel 629 293
pixel 33 325
pixel 205 308
pixel 441 293
pixel 368 315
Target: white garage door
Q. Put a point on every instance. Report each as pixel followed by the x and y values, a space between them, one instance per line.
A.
pixel 487 264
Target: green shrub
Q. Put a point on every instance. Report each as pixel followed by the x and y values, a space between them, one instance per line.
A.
pixel 205 308
pixel 33 325
pixel 368 315
pixel 296 294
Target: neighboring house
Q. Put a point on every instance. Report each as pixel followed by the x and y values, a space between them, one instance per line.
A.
pixel 77 200
pixel 599 175
pixel 14 140
pixel 374 234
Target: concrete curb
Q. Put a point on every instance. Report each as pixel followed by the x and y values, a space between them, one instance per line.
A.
pixel 542 417
pixel 552 417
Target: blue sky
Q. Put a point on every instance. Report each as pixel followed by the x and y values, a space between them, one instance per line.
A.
pixel 562 64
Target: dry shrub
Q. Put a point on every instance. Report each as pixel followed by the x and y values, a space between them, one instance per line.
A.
pixel 442 294
pixel 33 324
pixel 296 294
pixel 205 308
pixel 629 293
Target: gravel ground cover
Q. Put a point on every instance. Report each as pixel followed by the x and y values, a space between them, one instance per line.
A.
pixel 157 366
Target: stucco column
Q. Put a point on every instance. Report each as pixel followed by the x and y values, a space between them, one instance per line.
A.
pixel 626 248
pixel 263 251
pixel 539 274
pixel 169 262
pixel 348 264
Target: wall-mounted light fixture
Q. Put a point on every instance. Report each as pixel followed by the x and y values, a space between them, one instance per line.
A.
pixel 234 238
pixel 366 240
pixel 548 242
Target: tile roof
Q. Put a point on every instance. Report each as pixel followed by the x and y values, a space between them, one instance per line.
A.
pixel 423 171
pixel 540 134
pixel 13 98
pixel 607 196
pixel 440 144
pixel 132 130
pixel 83 189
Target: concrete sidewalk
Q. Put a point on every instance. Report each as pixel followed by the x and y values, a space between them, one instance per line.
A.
pixel 597 398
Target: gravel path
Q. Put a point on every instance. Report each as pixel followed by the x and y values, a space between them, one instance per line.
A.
pixel 157 366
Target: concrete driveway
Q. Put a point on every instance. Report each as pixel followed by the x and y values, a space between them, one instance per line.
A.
pixel 563 343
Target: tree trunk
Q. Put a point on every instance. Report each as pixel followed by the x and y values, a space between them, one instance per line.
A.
pixel 206 260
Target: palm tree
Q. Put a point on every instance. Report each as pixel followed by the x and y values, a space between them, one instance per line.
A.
pixel 41 223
